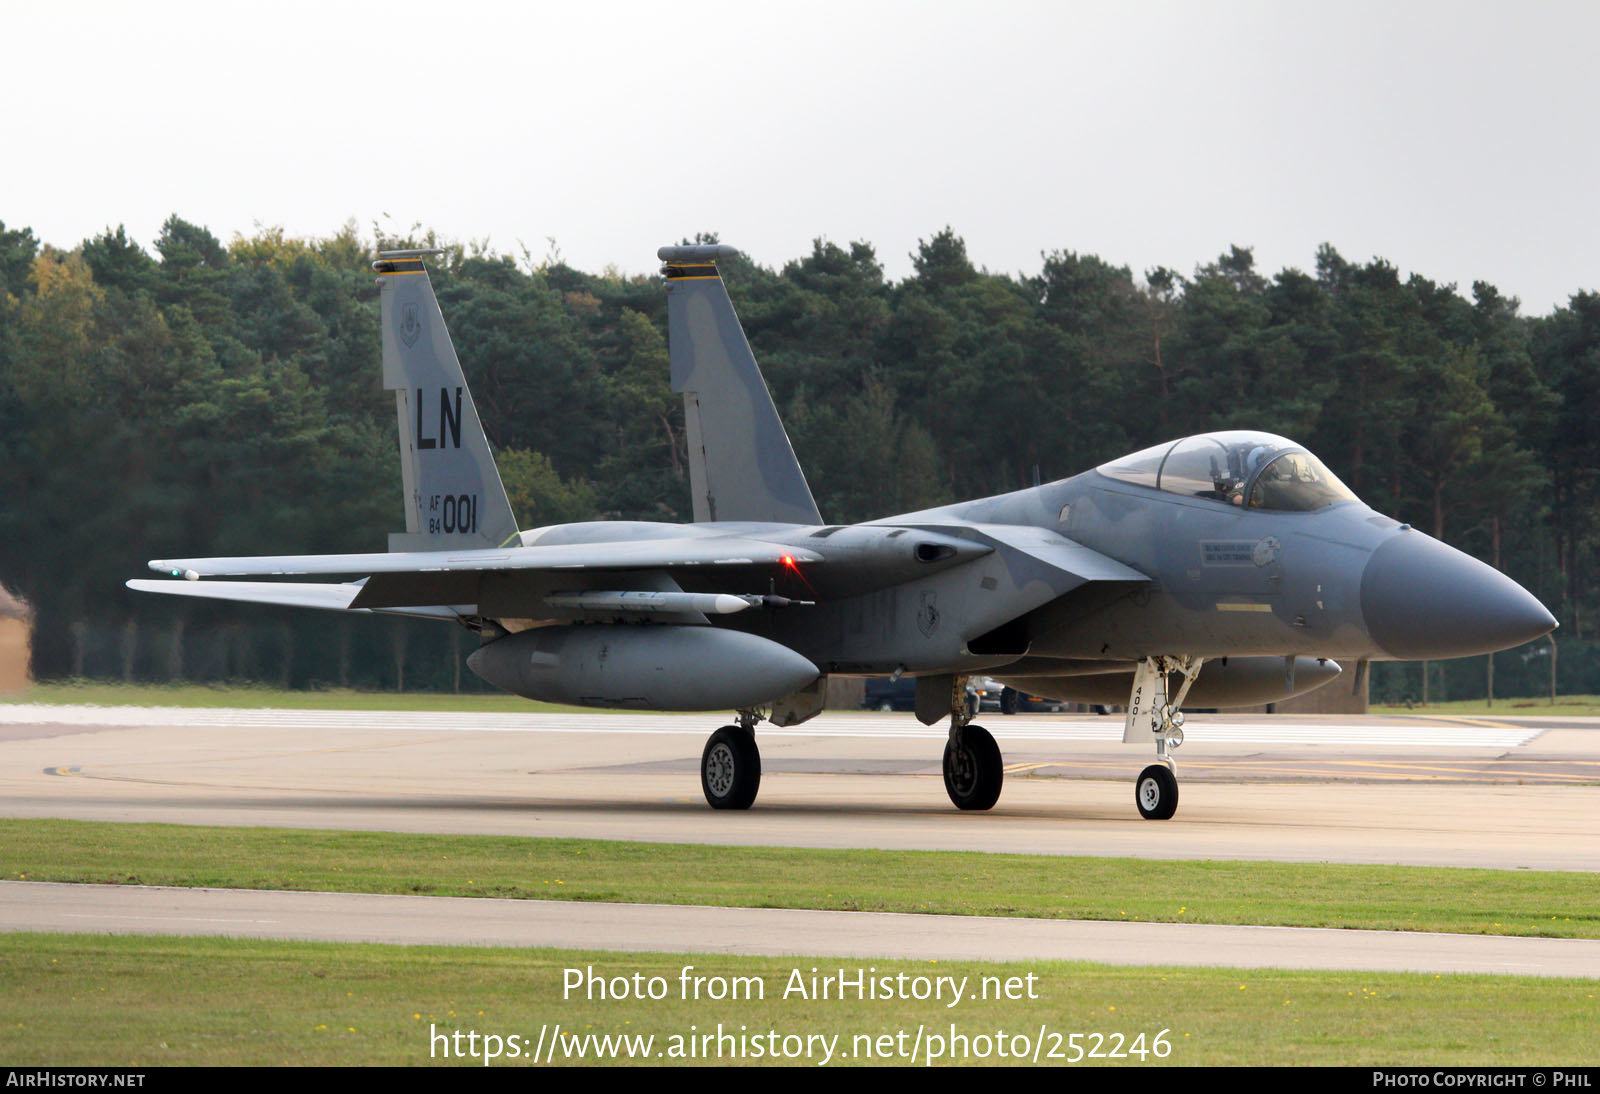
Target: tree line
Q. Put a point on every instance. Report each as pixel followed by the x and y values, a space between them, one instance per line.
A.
pixel 205 398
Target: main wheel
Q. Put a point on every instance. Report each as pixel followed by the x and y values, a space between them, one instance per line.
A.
pixel 1156 792
pixel 1008 701
pixel 972 773
pixel 730 769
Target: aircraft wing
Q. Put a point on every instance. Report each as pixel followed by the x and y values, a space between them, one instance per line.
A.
pixel 427 583
pixel 333 597
pixel 654 554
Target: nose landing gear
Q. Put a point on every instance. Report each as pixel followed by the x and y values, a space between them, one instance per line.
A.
pixel 1152 717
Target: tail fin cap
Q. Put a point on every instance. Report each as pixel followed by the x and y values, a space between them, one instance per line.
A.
pixel 696 252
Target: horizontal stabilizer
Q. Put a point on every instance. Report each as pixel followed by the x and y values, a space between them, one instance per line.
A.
pixel 333 597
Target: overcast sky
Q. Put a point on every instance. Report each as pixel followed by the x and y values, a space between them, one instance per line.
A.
pixel 1455 139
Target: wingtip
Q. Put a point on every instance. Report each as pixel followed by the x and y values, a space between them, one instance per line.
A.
pixel 161 566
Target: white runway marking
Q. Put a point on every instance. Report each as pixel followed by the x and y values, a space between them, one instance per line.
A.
pixel 1331 731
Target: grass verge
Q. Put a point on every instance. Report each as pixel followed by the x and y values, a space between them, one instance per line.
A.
pixel 98 693
pixel 110 693
pixel 142 1001
pixel 1565 706
pixel 1468 901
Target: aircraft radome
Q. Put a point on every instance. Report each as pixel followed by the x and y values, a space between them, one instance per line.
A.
pixel 1226 569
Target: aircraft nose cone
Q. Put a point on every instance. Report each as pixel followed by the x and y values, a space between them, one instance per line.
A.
pixel 1425 599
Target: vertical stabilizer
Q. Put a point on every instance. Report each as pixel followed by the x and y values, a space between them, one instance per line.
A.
pixel 454 499
pixel 741 465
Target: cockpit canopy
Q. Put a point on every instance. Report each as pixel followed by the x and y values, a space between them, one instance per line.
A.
pixel 1236 467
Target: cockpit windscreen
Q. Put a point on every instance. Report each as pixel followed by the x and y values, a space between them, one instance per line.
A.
pixel 1236 467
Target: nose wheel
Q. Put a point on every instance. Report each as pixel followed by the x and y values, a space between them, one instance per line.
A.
pixel 1156 792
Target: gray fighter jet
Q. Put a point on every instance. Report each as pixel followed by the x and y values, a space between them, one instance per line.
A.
pixel 1225 569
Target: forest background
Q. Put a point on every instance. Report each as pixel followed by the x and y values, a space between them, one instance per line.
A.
pixel 209 398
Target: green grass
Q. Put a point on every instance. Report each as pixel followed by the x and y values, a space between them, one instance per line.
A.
pixel 1564 706
pixel 135 1001
pixel 105 693
pixel 1508 902
pixel 100 693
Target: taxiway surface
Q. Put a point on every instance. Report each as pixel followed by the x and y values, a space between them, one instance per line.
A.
pixel 1507 793
pixel 483 921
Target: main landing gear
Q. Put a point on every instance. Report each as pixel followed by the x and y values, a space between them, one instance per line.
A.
pixel 730 766
pixel 1155 791
pixel 972 767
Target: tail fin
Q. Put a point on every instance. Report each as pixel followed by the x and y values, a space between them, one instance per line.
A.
pixel 741 465
pixel 454 499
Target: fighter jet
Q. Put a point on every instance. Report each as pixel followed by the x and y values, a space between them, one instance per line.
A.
pixel 1225 569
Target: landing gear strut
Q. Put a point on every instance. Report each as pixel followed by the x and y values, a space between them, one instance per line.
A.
pixel 730 766
pixel 1155 791
pixel 972 767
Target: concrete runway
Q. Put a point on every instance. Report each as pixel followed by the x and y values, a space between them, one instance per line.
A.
pixel 350 917
pixel 1506 793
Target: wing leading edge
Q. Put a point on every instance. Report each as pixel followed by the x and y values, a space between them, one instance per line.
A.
pixel 644 555
pixel 329 596
pixel 428 583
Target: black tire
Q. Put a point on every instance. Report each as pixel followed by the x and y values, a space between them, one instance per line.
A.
pixel 1156 792
pixel 972 775
pixel 730 769
pixel 1008 701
